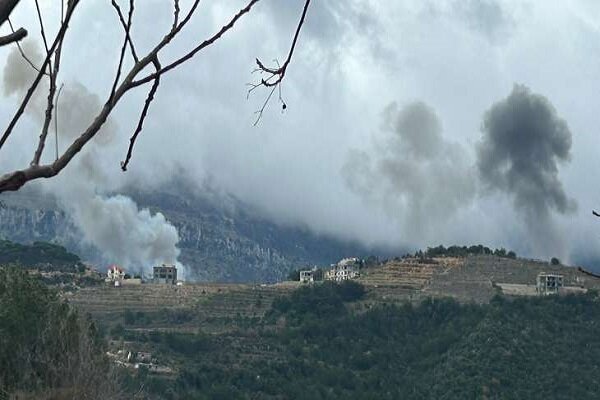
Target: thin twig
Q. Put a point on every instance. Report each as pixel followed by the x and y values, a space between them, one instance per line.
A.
pixel 50 105
pixel 56 119
pixel 36 81
pixel 262 109
pixel 22 52
pixel 143 115
pixel 198 48
pixel 280 71
pixel 41 21
pixel 125 41
pixel 176 11
pixel 276 75
pixel 125 25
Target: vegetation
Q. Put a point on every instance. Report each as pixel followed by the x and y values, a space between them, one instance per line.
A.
pixel 41 255
pixel 463 251
pixel 45 346
pixel 322 342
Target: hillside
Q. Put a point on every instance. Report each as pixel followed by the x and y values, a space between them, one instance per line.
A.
pixel 39 255
pixel 414 328
pixel 221 239
pixel 333 342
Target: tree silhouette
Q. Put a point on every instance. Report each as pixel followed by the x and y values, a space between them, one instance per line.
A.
pixel 124 79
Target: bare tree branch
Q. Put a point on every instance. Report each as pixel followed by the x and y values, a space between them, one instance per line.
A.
pixel 276 75
pixel 194 51
pixel 42 31
pixel 21 50
pixel 140 125
pixel 176 11
pixel 127 39
pixel 6 8
pixel 127 26
pixel 13 37
pixel 71 8
pixel 56 121
pixel 50 105
pixel 122 84
pixel 279 72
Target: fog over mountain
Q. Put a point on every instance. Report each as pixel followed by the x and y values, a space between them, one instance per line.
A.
pixel 403 128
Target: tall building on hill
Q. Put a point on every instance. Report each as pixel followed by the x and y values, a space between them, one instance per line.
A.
pixel 548 283
pixel 166 273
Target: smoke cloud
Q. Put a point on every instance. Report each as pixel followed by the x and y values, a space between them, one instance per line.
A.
pixel 133 237
pixel 113 224
pixel 77 103
pixel 524 142
pixel 412 171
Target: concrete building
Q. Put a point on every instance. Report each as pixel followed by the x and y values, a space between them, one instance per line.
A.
pixel 166 273
pixel 547 284
pixel 347 268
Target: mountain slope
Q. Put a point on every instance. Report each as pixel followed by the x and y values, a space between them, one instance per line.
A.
pixel 221 239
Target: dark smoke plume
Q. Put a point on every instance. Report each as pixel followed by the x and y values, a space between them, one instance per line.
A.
pixel 524 141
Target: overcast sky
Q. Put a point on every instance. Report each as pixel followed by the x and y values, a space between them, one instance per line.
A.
pixel 367 78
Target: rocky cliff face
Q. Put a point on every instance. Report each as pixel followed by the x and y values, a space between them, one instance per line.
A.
pixel 218 242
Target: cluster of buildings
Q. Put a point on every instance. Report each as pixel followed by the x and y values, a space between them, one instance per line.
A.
pixel 138 360
pixel 345 269
pixel 165 274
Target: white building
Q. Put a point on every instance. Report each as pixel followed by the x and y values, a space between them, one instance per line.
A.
pixel 115 274
pixel 347 268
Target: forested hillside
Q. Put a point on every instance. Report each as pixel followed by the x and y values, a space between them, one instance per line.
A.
pixel 328 346
pixel 40 255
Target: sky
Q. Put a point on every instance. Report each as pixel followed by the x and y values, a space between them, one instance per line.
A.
pixel 408 123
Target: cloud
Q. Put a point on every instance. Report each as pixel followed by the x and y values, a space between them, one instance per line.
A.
pixel 487 17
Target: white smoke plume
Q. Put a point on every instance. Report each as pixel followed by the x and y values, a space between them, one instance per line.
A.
pixel 124 234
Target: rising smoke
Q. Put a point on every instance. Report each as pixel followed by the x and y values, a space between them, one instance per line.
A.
pixel 114 225
pixel 523 144
pixel 419 178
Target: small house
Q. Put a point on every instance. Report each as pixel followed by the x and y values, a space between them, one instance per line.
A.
pixel 307 276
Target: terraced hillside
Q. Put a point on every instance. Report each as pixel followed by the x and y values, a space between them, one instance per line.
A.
pixel 404 279
pixel 224 322
pixel 473 278
pixel 210 307
pixel 192 307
